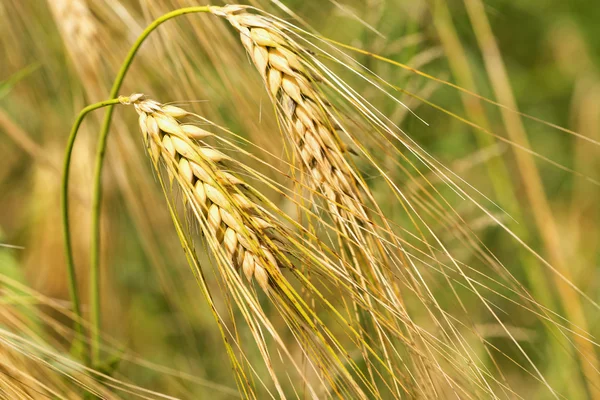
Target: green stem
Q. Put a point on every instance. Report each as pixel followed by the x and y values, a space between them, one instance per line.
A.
pixel 97 194
pixel 73 292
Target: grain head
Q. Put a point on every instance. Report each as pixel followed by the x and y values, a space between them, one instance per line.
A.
pixel 305 114
pixel 227 214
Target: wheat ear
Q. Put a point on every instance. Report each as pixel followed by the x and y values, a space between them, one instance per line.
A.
pixel 231 217
pixel 303 112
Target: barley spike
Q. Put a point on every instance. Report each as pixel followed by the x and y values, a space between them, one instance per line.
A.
pixel 303 112
pixel 230 216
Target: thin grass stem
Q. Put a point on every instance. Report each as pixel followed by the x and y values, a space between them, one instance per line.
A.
pixel 97 188
pixel 73 292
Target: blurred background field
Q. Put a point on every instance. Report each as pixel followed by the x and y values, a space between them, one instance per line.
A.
pixel 542 59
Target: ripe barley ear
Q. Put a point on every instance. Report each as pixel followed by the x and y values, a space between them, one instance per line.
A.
pixel 226 214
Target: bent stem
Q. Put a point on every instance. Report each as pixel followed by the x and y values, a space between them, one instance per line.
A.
pixel 97 188
pixel 73 292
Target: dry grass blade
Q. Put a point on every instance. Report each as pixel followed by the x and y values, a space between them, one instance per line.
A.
pixel 34 363
pixel 548 229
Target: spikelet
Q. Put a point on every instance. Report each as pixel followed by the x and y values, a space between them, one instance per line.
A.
pixel 230 216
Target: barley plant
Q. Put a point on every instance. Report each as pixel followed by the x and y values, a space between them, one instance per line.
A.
pixel 385 199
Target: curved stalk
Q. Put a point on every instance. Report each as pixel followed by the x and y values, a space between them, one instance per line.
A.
pixel 97 188
pixel 73 292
